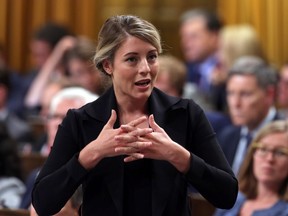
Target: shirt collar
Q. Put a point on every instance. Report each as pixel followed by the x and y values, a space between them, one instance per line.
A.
pixel 269 117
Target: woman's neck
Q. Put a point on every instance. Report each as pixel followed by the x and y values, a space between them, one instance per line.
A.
pixel 265 199
pixel 126 116
pixel 267 192
pixel 130 111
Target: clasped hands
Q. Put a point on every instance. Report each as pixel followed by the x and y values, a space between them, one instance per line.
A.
pixel 133 141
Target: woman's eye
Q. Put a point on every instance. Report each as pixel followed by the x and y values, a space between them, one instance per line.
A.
pixel 264 150
pixel 153 57
pixel 131 59
pixel 280 152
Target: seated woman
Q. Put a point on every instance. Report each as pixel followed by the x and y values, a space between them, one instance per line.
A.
pixel 263 178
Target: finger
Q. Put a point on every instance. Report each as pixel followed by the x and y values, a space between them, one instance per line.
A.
pixel 133 157
pixel 126 150
pixel 127 128
pixel 138 145
pixel 126 137
pixel 132 147
pixel 133 135
pixel 111 120
pixel 141 132
pixel 137 131
pixel 137 121
pixel 153 124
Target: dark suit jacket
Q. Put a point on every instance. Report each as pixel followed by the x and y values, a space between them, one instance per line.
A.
pixel 229 139
pixel 185 123
pixel 218 121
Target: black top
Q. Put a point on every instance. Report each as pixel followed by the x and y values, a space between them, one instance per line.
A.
pixel 104 187
pixel 137 182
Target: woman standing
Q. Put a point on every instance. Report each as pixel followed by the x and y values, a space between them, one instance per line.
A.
pixel 135 149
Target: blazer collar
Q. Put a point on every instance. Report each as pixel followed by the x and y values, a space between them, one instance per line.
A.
pixel 159 103
pixel 100 109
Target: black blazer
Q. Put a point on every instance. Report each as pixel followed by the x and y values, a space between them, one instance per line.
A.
pixel 185 123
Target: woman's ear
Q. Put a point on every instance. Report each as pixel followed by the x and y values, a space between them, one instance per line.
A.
pixel 107 65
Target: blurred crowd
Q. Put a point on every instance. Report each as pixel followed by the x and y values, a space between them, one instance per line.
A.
pixel 224 69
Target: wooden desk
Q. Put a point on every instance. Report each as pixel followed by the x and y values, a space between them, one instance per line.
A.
pixel 12 212
pixel 200 206
pixel 30 162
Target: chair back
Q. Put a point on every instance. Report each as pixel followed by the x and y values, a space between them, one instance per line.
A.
pixel 31 161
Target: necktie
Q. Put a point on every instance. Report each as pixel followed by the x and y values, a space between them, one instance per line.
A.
pixel 193 73
pixel 248 139
pixel 241 152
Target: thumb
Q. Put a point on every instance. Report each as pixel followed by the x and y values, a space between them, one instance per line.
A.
pixel 153 124
pixel 111 120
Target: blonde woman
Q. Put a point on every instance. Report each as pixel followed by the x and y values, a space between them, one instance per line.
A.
pixel 235 41
pixel 135 149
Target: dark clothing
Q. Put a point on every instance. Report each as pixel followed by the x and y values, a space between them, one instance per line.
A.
pixel 20 85
pixel 17 128
pixel 200 74
pixel 218 120
pixel 229 139
pixel 137 180
pixel 193 74
pixel 103 186
pixel 26 198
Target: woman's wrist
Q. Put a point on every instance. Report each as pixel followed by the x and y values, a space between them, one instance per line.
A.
pixel 181 159
pixel 88 158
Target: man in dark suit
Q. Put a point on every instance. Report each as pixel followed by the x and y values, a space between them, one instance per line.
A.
pixel 199 37
pixel 251 92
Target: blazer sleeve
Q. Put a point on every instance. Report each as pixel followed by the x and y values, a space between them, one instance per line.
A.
pixel 62 173
pixel 209 170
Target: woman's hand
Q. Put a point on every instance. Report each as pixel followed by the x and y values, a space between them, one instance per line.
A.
pixel 107 144
pixel 160 147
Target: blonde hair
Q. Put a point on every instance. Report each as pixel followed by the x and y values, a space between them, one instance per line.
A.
pixel 176 69
pixel 239 40
pixel 115 31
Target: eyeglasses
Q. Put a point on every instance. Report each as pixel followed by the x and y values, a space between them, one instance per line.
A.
pixel 262 151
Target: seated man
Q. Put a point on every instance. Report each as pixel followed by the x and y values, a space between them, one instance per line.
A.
pixel 251 92
pixel 67 98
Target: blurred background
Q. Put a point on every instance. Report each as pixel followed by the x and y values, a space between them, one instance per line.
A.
pixel 19 18
pixel 33 69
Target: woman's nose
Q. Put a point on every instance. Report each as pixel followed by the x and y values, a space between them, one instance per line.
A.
pixel 144 66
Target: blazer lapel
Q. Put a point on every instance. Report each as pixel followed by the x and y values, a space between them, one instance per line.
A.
pixel 114 176
pixel 163 173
